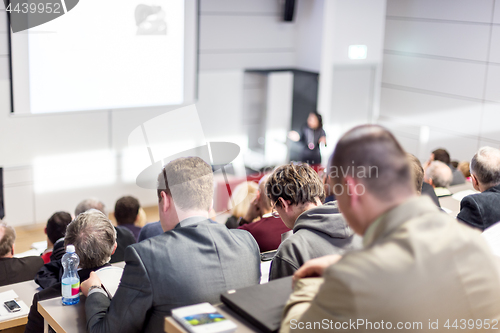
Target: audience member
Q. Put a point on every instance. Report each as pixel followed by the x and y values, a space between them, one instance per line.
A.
pixel 94 238
pixel 418 265
pixel 150 230
pixel 127 213
pixel 438 174
pixel 325 178
pixel 55 231
pixel 124 237
pixel 14 270
pixel 464 167
pixel 297 193
pixel 267 231
pixel 421 187
pixel 443 156
pixel 483 209
pixel 193 261
pixel 240 202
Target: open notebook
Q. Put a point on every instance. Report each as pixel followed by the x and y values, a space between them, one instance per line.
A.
pixel 110 278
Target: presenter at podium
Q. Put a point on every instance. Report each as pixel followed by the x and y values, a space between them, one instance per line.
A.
pixel 310 136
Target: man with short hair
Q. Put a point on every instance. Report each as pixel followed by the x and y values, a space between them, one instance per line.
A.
pixel 126 214
pixel 438 175
pixel 421 187
pixel 55 230
pixel 483 209
pixel 297 193
pixel 94 238
pixel 193 261
pixel 268 230
pixel 14 270
pixel 124 237
pixel 442 155
pixel 418 265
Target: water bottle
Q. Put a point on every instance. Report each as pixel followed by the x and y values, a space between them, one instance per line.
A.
pixel 70 279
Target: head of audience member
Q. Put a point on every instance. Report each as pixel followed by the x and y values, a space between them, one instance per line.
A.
pixel 438 174
pixel 56 227
pixel 441 155
pixel 127 210
pixel 293 189
pixel 7 240
pixel 263 201
pixel 464 167
pixel 454 164
pixel 417 172
pixel 94 238
pixel 241 198
pixel 485 168
pixel 185 189
pixel 91 203
pixel 370 175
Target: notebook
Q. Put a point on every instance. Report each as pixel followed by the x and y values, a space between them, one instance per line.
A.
pixel 262 305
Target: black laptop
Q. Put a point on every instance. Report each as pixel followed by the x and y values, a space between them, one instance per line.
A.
pixel 262 305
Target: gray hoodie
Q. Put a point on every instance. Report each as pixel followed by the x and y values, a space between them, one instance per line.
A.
pixel 317 232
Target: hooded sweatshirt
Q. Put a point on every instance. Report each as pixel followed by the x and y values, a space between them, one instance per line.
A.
pixel 319 231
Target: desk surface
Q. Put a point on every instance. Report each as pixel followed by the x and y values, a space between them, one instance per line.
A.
pixel 452 204
pixel 64 318
pixel 25 291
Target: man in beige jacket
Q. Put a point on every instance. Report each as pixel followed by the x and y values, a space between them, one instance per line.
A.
pixel 420 270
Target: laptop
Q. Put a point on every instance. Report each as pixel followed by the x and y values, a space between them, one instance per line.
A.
pixel 261 305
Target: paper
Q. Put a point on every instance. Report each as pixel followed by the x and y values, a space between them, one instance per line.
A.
pixel 110 279
pixel 4 313
pixel 462 194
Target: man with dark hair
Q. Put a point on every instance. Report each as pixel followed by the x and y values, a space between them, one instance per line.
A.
pixel 126 214
pixel 442 155
pixel 124 237
pixel 55 230
pixel 297 193
pixel 483 209
pixel 193 261
pixel 14 270
pixel 418 265
pixel 94 238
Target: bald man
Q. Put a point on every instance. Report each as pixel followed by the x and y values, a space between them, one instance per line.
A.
pixel 266 231
pixel 419 269
pixel 483 209
pixel 438 174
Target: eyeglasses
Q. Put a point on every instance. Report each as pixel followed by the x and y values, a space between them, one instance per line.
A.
pixel 274 212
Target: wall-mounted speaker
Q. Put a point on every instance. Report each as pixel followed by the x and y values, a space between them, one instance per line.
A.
pixel 289 10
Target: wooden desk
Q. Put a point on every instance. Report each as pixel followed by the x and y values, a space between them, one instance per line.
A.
pixel 25 291
pixel 172 326
pixel 452 204
pixel 64 318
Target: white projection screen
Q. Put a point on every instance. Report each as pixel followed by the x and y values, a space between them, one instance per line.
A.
pixel 105 55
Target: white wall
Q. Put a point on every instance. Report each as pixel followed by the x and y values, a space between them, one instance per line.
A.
pixel 234 35
pixel 442 70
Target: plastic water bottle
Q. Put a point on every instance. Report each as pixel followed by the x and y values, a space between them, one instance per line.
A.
pixel 70 279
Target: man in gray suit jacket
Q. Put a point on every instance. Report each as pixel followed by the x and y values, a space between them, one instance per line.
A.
pixel 193 261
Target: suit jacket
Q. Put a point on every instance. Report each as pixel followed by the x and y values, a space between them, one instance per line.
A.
pixel 35 319
pixel 124 238
pixel 481 210
pixel 195 262
pixel 14 270
pixel 418 264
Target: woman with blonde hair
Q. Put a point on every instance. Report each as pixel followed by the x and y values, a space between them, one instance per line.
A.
pixel 239 203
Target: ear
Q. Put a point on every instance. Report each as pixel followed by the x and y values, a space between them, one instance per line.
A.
pixel 45 230
pixel 475 183
pixel 285 204
pixel 430 182
pixel 165 202
pixel 114 248
pixel 353 191
pixel 12 250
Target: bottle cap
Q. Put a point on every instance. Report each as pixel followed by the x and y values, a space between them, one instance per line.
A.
pixel 70 249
